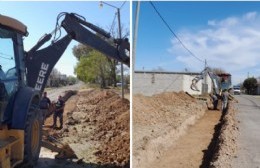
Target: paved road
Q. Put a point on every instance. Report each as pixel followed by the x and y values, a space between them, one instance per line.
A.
pixel 249 140
pixel 53 93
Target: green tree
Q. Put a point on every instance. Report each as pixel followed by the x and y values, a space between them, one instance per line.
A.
pixel 107 67
pixel 218 71
pixel 93 68
pixel 81 50
pixel 112 72
pixel 71 80
pixel 250 84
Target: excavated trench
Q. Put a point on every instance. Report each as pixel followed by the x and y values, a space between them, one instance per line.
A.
pixel 208 141
pixel 96 128
pixel 193 148
pixel 224 144
pixel 213 146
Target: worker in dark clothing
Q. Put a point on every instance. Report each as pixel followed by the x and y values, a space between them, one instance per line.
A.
pixel 59 108
pixel 44 105
pixel 214 101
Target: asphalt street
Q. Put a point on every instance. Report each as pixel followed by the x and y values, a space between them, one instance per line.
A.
pixel 248 115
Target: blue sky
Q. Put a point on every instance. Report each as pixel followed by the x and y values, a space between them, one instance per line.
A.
pixel 226 34
pixel 40 18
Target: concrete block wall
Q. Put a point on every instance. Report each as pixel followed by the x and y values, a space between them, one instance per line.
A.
pixel 149 83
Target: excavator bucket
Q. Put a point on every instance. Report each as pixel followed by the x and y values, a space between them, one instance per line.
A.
pixel 64 151
pixel 195 81
pixel 194 86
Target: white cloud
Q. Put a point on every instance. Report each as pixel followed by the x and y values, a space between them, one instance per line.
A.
pixel 232 44
pixel 250 16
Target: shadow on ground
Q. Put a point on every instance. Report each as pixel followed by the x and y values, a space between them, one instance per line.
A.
pixel 54 163
pixel 213 146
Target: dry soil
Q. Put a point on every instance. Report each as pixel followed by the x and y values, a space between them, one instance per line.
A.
pixel 158 121
pixel 176 130
pixel 97 128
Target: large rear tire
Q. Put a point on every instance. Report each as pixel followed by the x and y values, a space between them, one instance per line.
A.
pixel 32 136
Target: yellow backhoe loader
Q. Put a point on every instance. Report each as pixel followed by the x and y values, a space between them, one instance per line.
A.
pixel 23 75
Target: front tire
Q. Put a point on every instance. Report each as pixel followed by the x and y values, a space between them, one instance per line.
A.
pixel 32 136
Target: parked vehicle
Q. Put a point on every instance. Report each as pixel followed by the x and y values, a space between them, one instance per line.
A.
pixel 236 90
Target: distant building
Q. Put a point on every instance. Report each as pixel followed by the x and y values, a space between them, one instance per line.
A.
pixel 63 77
pixel 151 82
pixel 56 80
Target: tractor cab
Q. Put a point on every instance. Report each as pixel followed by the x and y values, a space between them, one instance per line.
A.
pixel 225 81
pixel 11 61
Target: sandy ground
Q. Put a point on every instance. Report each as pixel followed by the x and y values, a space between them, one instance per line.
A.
pixel 158 121
pixel 173 130
pixel 225 148
pixel 96 128
pixel 189 149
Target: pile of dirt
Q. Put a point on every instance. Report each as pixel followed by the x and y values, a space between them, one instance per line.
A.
pixel 226 146
pixel 158 108
pixel 97 127
pixel 158 121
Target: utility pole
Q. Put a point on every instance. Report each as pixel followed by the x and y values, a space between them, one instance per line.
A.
pixel 135 35
pixel 122 67
pixel 205 78
pixel 205 82
pixel 120 36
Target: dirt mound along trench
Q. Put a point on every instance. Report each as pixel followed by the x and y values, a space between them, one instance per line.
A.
pixel 158 121
pixel 98 125
pixel 158 108
pixel 226 142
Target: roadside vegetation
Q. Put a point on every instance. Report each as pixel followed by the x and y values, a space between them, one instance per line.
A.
pixel 250 84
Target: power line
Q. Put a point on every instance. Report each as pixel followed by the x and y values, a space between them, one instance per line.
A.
pixel 167 25
pixel 122 5
pixel 113 23
pixel 2 55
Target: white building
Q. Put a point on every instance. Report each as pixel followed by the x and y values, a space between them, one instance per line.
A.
pixel 150 82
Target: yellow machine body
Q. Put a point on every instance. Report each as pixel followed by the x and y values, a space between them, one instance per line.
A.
pixel 11 147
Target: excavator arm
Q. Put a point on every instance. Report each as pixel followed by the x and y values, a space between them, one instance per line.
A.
pixel 40 62
pixel 214 78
